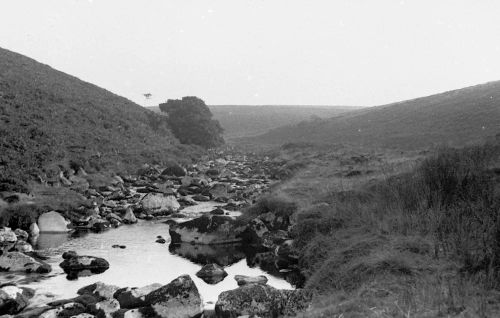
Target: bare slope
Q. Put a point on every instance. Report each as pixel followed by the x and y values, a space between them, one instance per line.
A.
pixel 454 118
pixel 248 120
pixel 49 118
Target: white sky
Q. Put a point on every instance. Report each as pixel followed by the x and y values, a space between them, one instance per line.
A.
pixel 350 52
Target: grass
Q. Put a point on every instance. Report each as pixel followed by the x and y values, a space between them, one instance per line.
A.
pixel 418 236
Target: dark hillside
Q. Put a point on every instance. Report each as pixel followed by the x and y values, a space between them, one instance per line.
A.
pixel 453 118
pixel 49 118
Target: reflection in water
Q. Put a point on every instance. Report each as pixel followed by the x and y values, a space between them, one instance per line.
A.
pixel 50 240
pixel 223 255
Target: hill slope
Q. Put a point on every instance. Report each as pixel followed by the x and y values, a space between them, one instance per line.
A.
pixel 246 120
pixel 49 118
pixel 454 118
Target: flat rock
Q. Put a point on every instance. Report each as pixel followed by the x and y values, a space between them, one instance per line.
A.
pixel 19 262
pixel 244 280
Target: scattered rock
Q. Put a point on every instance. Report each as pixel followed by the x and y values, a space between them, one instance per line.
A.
pixel 7 239
pixel 14 299
pixel 179 298
pixel 158 203
pixel 212 273
pixel 245 280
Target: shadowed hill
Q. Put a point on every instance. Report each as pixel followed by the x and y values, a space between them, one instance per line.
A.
pixel 247 120
pixel 49 118
pixel 454 118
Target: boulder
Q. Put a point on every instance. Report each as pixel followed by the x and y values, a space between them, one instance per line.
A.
pixel 212 273
pixel 101 290
pixel 244 280
pixel 75 263
pixel 207 229
pixel 52 222
pixel 7 239
pixel 21 235
pixel 23 247
pixel 13 299
pixel 262 301
pixel 19 262
pixel 174 170
pixel 34 230
pixel 107 307
pixel 200 198
pixel 153 203
pixel 178 299
pixel 129 217
pixel 134 297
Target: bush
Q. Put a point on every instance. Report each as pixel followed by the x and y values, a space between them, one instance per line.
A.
pixel 278 205
pixel 20 216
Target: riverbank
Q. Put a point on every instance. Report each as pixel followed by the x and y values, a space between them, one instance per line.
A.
pixel 175 195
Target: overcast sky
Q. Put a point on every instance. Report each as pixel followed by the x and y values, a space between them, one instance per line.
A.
pixel 262 52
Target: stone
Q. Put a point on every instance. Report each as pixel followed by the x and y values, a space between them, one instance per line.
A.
pixel 19 262
pixel 23 247
pixel 254 232
pixel 207 229
pixel 174 170
pixel 21 234
pixel 212 273
pixel 7 239
pixel 178 299
pixel 99 289
pixel 153 203
pixel 134 297
pixel 244 280
pixel 219 190
pixel 107 307
pixel 262 301
pixel 13 299
pixel 75 263
pixel 200 198
pixel 129 217
pixel 52 222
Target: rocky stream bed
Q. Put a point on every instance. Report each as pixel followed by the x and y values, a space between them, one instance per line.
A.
pixel 113 255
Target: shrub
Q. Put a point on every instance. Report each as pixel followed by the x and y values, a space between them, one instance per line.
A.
pixel 278 205
pixel 20 216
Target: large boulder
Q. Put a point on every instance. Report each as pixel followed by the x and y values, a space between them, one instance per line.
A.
pixel 262 301
pixel 134 297
pixel 207 229
pixel 13 299
pixel 154 203
pixel 75 263
pixel 52 222
pixel 178 299
pixel 212 273
pixel 7 239
pixel 19 262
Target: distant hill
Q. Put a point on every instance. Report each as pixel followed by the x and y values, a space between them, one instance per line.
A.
pixel 456 117
pixel 247 120
pixel 49 118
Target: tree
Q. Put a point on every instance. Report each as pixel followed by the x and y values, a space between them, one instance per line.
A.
pixel 191 122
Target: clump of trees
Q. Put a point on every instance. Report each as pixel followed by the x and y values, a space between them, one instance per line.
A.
pixel 191 122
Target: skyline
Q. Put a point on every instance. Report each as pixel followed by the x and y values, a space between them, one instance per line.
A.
pixel 262 52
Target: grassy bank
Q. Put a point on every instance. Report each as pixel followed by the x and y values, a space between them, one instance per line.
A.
pixel 414 235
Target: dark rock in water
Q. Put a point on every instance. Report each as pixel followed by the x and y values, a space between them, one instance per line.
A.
pixel 73 264
pixel 69 254
pixel 161 240
pixel 134 297
pixel 262 301
pixel 14 299
pixel 212 273
pixel 174 170
pixel 222 254
pixel 118 246
pixel 207 229
pixel 179 298
pixel 217 211
pixel 200 198
pixel 244 280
